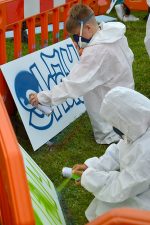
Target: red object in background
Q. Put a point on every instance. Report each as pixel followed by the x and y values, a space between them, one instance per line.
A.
pixel 137 5
pixel 102 2
pixel 123 216
pixel 45 5
pixel 15 11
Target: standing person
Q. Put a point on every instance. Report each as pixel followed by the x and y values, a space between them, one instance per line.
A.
pixel 106 62
pixel 147 37
pixel 121 177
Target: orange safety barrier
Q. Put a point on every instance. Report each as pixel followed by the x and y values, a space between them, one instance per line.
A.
pixel 4 91
pixel 97 8
pixel 11 17
pixel 139 5
pixel 15 202
pixel 123 216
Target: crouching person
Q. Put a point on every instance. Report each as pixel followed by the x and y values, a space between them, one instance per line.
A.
pixel 121 177
pixel 105 63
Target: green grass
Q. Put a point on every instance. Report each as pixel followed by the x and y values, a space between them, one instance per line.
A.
pixel 76 143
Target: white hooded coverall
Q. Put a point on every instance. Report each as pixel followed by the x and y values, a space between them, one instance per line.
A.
pixel 147 37
pixel 105 63
pixel 121 177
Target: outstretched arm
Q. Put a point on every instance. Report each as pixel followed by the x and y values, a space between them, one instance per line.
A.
pixel 90 72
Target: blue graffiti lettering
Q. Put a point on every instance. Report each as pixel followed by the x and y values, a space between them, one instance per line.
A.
pixel 53 67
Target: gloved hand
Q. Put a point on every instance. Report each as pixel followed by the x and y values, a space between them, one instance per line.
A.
pixel 33 99
pixel 79 169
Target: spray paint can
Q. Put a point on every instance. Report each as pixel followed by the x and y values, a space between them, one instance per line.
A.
pixel 67 172
pixel 47 110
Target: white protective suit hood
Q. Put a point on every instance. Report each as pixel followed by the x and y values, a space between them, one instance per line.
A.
pixel 109 32
pixel 128 111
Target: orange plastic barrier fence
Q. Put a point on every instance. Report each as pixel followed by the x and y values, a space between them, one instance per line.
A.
pixel 15 202
pixel 123 216
pixel 140 5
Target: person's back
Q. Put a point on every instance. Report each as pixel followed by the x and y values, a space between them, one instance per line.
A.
pixel 111 44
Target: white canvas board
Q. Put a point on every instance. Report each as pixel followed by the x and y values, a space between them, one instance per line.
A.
pixel 31 8
pixel 44 198
pixel 39 71
pixel 59 2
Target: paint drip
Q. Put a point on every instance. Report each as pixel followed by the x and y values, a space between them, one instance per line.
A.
pixel 63 185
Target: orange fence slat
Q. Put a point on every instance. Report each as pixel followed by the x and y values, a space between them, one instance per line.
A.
pixel 2 33
pixel 17 40
pixel 31 34
pixel 65 14
pixel 44 29
pixel 55 22
pixel 3 86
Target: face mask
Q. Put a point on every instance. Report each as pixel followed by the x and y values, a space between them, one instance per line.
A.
pixel 81 41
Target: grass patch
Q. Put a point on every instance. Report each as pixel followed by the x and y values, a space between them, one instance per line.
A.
pixel 76 143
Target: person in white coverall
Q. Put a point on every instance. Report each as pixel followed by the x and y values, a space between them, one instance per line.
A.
pixel 106 62
pixel 121 177
pixel 147 37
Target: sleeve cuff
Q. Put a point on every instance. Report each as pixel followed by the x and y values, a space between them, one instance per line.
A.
pixel 44 98
pixel 92 162
pixel 84 178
